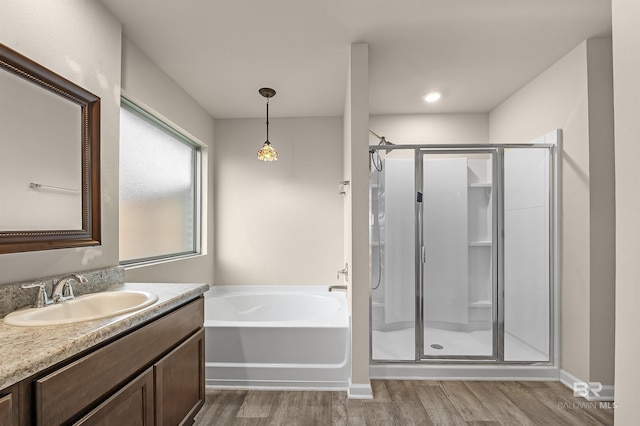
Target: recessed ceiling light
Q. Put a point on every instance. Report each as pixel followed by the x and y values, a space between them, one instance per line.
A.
pixel 432 96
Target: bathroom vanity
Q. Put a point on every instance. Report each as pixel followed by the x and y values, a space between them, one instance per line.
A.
pixel 146 367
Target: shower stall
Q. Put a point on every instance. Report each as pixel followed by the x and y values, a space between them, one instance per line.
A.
pixel 463 244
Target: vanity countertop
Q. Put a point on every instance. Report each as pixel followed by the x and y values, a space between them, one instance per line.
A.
pixel 25 351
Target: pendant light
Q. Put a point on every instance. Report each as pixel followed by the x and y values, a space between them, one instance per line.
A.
pixel 267 152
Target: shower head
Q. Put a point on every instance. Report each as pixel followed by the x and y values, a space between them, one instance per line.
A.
pixel 382 141
pixel 376 160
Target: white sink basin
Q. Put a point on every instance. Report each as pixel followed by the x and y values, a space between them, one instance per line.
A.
pixel 83 308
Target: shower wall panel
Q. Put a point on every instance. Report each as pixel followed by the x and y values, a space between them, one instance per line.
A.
pixel 446 279
pixel 399 240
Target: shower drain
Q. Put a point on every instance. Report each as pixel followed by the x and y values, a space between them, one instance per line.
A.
pixel 437 346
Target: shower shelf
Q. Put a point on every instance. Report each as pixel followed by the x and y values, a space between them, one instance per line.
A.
pixel 481 304
pixel 480 185
pixel 480 244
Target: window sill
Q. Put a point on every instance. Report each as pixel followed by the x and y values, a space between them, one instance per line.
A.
pixel 160 261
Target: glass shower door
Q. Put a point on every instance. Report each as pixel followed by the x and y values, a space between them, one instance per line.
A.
pixel 392 242
pixel 456 244
pixel 527 254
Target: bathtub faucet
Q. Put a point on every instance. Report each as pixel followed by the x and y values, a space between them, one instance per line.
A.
pixel 337 287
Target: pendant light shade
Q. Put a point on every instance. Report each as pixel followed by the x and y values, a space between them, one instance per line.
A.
pixel 267 152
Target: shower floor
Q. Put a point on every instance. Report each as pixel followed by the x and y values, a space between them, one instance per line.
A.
pixel 399 345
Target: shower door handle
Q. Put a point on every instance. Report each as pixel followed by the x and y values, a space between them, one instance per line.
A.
pixel 423 254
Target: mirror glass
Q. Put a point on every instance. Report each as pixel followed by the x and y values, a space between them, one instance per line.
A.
pixel 40 165
pixel 49 159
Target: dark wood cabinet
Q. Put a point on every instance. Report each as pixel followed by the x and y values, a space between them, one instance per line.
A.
pixel 132 405
pixel 7 408
pixel 179 380
pixel 153 375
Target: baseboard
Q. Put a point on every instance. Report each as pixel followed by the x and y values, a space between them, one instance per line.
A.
pixel 359 391
pixel 600 393
pixel 276 385
pixel 462 372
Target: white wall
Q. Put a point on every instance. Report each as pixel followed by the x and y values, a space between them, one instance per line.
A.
pixel 560 98
pixel 144 83
pixel 279 222
pixel 415 129
pixel 626 62
pixel 81 41
pixel 602 209
pixel 356 170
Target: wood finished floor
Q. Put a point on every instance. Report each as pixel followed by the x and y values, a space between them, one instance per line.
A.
pixel 409 402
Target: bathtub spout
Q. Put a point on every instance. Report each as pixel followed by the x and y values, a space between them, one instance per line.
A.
pixel 337 287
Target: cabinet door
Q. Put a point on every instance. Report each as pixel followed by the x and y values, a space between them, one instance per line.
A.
pixel 131 405
pixel 13 410
pixel 6 410
pixel 179 380
pixel 109 367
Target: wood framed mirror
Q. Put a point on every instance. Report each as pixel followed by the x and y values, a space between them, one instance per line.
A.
pixel 49 159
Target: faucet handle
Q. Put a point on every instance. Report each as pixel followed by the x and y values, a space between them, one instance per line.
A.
pixel 344 272
pixel 41 298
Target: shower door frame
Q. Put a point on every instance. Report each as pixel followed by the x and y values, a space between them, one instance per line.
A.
pixel 497 150
pixel 497 292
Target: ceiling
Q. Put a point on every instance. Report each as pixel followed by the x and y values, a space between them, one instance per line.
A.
pixel 477 52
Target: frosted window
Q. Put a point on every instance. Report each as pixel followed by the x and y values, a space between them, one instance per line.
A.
pixel 158 189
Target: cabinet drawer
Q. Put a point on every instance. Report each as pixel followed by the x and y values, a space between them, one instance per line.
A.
pixel 132 405
pixel 71 389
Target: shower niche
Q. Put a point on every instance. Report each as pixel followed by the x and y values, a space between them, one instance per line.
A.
pixel 443 285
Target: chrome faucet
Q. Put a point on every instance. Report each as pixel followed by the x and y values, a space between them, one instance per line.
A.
pixel 63 291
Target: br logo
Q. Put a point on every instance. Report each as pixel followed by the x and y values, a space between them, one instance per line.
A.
pixel 587 389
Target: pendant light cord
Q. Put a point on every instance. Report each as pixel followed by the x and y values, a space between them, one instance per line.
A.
pixel 267 152
pixel 268 120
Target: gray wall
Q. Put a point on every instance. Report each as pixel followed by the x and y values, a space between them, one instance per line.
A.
pixel 626 62
pixel 575 95
pixel 81 41
pixel 143 82
pixel 280 222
